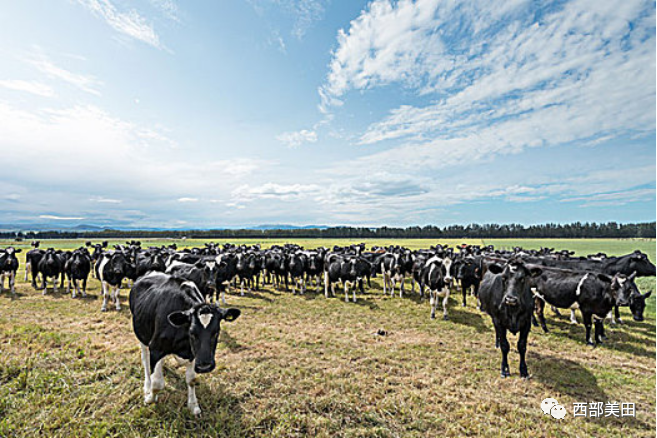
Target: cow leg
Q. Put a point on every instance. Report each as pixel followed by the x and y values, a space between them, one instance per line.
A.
pixel 617 313
pixel 117 301
pixel 383 274
pixel 326 284
pixel 504 347
pixel 573 318
pixel 190 377
pixel 587 326
pixel 54 284
pixel 241 287
pixel 43 282
pixel 146 362
pixel 353 291
pixel 463 289
pixel 522 349
pixel 401 289
pixel 157 379
pixel 433 301
pixel 27 268
pixel 412 285
pixel 599 331
pixel 540 310
pixel 12 282
pixel 84 287
pixel 346 292
pixel 555 310
pixel 445 301
pixel 105 293
pixel 223 296
pixel 303 285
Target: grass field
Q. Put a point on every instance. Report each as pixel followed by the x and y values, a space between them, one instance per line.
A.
pixel 308 366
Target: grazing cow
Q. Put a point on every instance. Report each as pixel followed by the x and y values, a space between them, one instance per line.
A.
pixel 77 269
pixel 111 269
pixel 50 266
pixel 8 266
pixel 634 299
pixel 170 316
pixel 595 295
pixel 505 294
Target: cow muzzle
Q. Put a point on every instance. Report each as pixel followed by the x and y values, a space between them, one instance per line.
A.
pixel 201 368
pixel 511 301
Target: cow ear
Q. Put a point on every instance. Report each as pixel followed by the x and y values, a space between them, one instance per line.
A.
pixel 535 272
pixel 199 264
pixel 495 268
pixel 231 314
pixel 179 318
pixel 18 250
pixel 632 276
pixel 647 294
pixel 605 278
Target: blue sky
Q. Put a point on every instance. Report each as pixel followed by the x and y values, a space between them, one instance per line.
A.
pixel 163 113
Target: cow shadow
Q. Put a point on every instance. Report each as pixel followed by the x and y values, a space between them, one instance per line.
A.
pixel 565 376
pixel 253 295
pixel 364 302
pixel 474 320
pixel 230 342
pixel 617 340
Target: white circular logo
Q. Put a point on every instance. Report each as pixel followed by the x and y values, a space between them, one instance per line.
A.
pixel 547 404
pixel 558 412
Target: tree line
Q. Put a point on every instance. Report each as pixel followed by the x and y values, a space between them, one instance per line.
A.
pixel 473 231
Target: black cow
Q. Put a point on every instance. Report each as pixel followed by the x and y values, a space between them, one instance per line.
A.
pixel 170 316
pixel 8 266
pixel 77 269
pixel 297 264
pixel 468 272
pixel 111 269
pixel 349 270
pixel 149 261
pixel 32 258
pixel 505 294
pixel 50 266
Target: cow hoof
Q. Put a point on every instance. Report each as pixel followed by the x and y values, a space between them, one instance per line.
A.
pixel 346 300
pixel 354 300
pixel 464 305
pixel 433 316
pixel 104 309
pixel 603 338
pixel 525 376
pixel 196 411
pixel 148 399
pixel 590 344
pixel 445 318
pixel 620 321
pixel 505 374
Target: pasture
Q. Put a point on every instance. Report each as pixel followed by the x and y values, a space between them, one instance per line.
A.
pixel 296 365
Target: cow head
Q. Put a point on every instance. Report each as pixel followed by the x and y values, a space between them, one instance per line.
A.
pixel 516 281
pixel 627 294
pixel 203 324
pixel 641 265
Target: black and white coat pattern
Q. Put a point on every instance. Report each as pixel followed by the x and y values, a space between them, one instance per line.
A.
pixel 170 317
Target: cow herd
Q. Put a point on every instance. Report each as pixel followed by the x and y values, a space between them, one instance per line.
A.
pixel 175 293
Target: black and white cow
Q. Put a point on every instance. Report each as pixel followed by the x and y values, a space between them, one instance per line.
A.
pixel 149 261
pixel 435 277
pixel 170 317
pixel 77 269
pixel 111 269
pixel 203 274
pixel 505 294
pixel 595 295
pixel 50 266
pixel 8 266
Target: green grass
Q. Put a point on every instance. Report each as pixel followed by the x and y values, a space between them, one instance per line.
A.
pixel 308 366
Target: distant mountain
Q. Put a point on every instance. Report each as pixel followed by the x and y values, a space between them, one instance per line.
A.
pixel 90 227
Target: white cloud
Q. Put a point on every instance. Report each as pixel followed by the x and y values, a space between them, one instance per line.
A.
pixel 501 79
pixel 59 218
pixel 128 23
pixel 169 8
pixel 186 199
pixel 87 83
pixel 246 192
pixel 33 87
pixel 297 138
pixel 103 200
